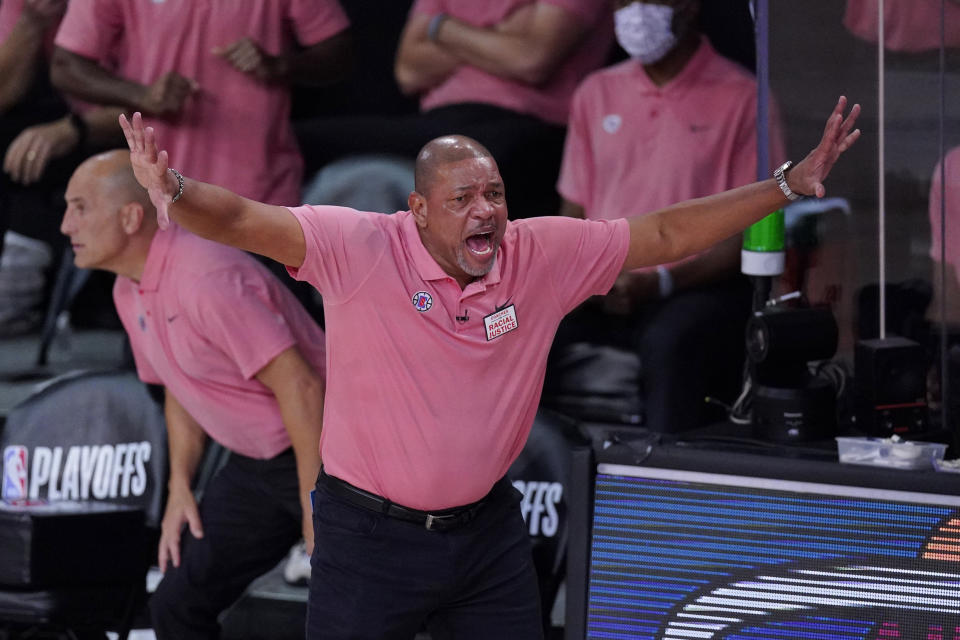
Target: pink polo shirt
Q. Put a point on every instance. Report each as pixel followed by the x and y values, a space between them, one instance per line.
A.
pixel 433 389
pixel 203 321
pixel 908 25
pixel 633 147
pixel 235 131
pixel 549 101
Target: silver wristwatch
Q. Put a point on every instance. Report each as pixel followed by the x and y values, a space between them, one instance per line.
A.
pixel 781 179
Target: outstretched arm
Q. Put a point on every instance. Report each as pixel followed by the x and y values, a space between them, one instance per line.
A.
pixel 208 210
pixel 690 227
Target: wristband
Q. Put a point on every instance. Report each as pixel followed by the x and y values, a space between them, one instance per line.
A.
pixel 665 281
pixel 176 174
pixel 433 30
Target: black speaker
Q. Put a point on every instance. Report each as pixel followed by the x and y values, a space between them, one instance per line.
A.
pixel 890 387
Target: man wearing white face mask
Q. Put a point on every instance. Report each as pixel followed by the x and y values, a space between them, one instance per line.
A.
pixel 675 121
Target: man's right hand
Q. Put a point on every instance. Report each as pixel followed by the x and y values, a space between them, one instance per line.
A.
pixel 167 95
pixel 150 166
pixel 181 509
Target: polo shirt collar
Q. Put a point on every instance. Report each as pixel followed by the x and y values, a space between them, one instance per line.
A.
pixel 427 266
pixel 690 73
pixel 157 257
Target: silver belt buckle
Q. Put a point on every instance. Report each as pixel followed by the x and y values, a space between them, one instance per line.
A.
pixel 432 518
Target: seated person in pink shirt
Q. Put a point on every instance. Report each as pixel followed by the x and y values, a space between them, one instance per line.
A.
pixel 213 77
pixel 42 136
pixel 440 320
pixel 641 137
pixel 242 363
pixel 501 72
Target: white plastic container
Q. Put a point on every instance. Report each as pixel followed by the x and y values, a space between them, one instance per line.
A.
pixel 893 454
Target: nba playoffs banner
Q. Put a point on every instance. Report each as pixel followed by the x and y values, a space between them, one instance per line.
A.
pixel 95 436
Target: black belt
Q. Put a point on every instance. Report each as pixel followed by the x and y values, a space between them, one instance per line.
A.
pixel 440 520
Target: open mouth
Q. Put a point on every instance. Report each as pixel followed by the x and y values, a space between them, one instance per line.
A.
pixel 480 244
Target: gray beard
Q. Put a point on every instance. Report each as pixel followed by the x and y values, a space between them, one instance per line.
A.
pixel 476 272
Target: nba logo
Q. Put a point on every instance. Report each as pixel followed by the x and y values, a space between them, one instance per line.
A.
pixel 15 473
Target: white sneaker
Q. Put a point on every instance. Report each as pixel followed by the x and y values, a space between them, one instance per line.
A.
pixel 296 570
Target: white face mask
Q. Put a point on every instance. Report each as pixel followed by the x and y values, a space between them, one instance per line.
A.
pixel 644 31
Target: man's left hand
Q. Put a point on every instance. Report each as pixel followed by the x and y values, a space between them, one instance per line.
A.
pixel 246 56
pixel 808 175
pixel 30 152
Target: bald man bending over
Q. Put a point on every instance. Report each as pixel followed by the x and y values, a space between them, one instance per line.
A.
pixel 241 362
pixel 439 321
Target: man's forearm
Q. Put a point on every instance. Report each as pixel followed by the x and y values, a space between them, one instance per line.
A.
pixel 299 392
pixel 690 227
pixel 421 64
pixel 321 64
pixel 19 59
pixel 302 411
pixel 85 79
pixel 186 442
pixel 102 129
pixel 527 48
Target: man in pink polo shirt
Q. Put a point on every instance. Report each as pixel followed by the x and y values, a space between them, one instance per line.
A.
pixel 213 77
pixel 241 362
pixel 500 71
pixel 640 139
pixel 439 321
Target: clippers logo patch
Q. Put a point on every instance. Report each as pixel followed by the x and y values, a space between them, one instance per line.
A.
pixel 422 301
pixel 500 322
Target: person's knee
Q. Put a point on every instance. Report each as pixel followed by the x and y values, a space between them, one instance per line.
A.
pixel 166 600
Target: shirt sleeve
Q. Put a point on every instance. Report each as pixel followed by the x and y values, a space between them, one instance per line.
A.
pixel 576 170
pixel 583 257
pixel 342 248
pixel 234 310
pixel 314 21
pixel 91 28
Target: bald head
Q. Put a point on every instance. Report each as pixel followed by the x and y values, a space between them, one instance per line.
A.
pixel 441 151
pixel 111 175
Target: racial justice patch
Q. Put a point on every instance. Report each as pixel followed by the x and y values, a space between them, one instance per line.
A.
pixel 500 322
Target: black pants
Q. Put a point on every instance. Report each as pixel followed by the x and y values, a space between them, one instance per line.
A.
pixel 251 517
pixel 375 577
pixel 690 345
pixel 527 149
